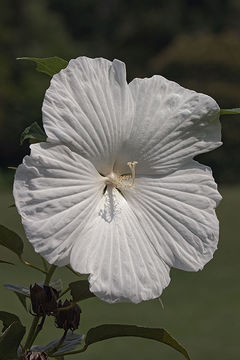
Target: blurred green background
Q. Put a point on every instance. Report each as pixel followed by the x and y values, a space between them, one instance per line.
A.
pixel 196 43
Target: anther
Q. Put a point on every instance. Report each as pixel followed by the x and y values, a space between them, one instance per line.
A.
pixel 122 181
pixel 132 166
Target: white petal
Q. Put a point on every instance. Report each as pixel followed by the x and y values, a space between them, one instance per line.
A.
pixel 177 213
pixel 89 108
pixel 115 250
pixel 171 125
pixel 55 190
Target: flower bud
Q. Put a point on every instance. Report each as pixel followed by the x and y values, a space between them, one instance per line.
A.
pixel 69 318
pixel 35 356
pixel 44 300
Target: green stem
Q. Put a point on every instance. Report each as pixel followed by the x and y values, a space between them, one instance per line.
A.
pixel 67 307
pixel 71 352
pixel 35 327
pixel 49 274
pixel 37 331
pixel 31 265
pixel 61 341
pixel 31 333
pixel 45 265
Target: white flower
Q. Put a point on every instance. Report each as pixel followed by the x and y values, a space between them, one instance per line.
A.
pixel 115 192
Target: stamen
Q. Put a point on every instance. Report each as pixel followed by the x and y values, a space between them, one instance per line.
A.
pixel 132 166
pixel 122 181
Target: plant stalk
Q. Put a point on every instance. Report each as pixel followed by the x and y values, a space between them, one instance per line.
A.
pixel 32 266
pixel 49 274
pixel 35 327
pixel 31 333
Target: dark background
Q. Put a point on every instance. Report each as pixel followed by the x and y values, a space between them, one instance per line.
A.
pixel 196 43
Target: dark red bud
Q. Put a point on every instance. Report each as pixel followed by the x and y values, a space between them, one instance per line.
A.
pixel 44 300
pixel 69 318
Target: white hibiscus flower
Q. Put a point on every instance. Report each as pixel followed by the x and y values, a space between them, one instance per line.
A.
pixel 115 192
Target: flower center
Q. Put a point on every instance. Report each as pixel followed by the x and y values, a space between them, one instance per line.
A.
pixel 122 181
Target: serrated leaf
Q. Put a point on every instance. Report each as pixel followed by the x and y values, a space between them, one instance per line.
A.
pixel 11 240
pixel 5 262
pixel 70 343
pixel 230 111
pixel 7 319
pixel 80 290
pixel 10 341
pixel 34 133
pixel 108 331
pixel 49 66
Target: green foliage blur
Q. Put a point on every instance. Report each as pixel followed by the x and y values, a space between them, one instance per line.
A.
pixel 196 43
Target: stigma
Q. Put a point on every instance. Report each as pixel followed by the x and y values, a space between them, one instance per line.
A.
pixel 122 181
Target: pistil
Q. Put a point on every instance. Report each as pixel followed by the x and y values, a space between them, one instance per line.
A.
pixel 122 181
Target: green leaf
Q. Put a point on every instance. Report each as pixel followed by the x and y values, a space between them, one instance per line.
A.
pixel 11 240
pixel 34 133
pixel 80 290
pixel 10 340
pixel 12 205
pixel 108 331
pixel 49 66
pixel 230 111
pixel 5 262
pixel 7 319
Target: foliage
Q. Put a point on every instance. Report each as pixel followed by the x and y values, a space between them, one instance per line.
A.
pixel 109 331
pixel 34 133
pixel 49 66
pixel 10 340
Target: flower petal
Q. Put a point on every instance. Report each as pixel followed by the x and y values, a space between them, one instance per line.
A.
pixel 171 125
pixel 89 108
pixel 177 213
pixel 115 250
pixel 55 190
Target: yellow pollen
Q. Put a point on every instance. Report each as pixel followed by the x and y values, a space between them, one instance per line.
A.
pixel 122 181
